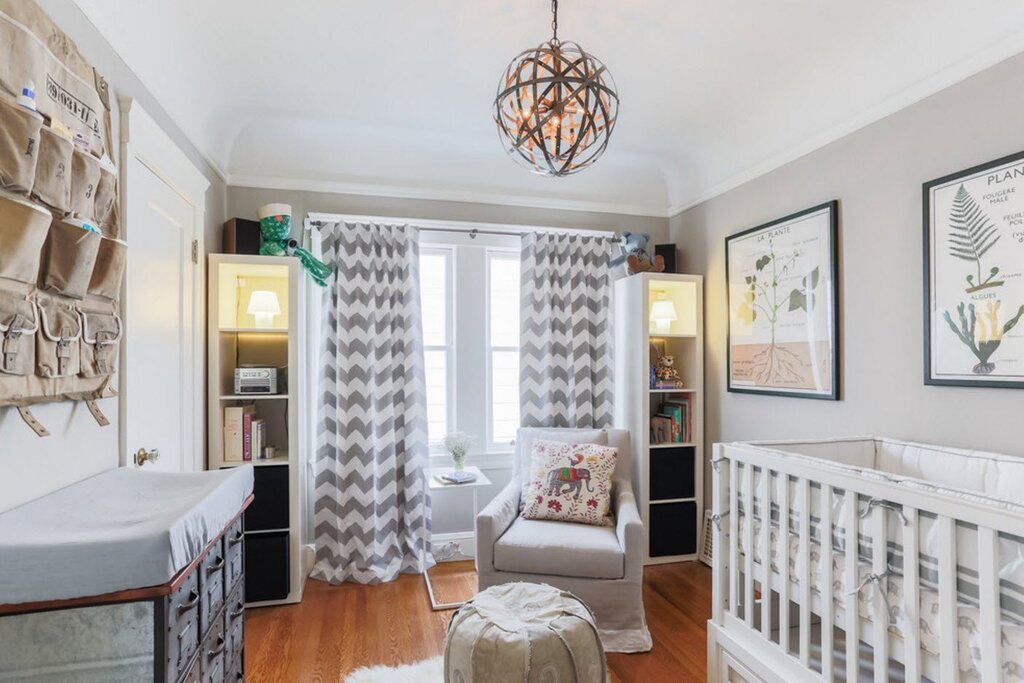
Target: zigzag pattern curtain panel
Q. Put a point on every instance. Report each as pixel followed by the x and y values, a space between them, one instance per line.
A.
pixel 372 507
pixel 566 365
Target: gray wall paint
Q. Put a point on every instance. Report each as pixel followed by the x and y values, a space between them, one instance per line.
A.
pixel 452 510
pixel 77 448
pixel 243 202
pixel 876 173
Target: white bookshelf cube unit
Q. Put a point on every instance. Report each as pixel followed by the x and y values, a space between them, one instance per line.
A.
pixel 660 314
pixel 273 523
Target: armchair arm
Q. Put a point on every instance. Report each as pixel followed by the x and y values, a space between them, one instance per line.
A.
pixel 493 521
pixel 629 528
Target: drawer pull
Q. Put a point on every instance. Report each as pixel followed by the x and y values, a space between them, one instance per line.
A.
pixel 193 600
pixel 217 650
pixel 216 566
pixel 237 539
pixel 184 631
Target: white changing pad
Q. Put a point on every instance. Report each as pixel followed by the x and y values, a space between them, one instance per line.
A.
pixel 118 530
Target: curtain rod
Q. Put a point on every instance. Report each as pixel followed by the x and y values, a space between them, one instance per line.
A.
pixel 454 227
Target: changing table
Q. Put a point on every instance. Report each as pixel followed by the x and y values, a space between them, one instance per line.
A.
pixel 130 575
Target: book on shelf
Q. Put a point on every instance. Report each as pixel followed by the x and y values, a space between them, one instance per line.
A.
pixel 234 431
pixel 247 419
pixel 685 404
pixel 259 435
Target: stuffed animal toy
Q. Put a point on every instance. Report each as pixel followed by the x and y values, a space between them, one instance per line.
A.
pixel 665 370
pixel 276 229
pixel 635 255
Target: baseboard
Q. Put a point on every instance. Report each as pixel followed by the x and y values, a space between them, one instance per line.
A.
pixel 465 540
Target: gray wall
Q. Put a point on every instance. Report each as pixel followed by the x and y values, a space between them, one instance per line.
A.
pixel 876 173
pixel 243 202
pixel 31 466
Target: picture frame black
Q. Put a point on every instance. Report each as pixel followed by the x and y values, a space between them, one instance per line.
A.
pixel 825 224
pixel 931 325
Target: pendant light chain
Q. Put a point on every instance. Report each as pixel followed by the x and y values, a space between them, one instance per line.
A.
pixel 554 21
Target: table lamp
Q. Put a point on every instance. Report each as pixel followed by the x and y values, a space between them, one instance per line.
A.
pixel 663 313
pixel 263 305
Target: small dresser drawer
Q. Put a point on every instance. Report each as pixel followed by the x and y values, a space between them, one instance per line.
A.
pixel 236 674
pixel 212 656
pixel 194 673
pixel 211 581
pixel 234 621
pixel 183 630
pixel 234 542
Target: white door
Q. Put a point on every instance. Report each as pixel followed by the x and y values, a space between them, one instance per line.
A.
pixel 161 403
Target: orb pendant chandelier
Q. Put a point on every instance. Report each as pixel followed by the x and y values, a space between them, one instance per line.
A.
pixel 556 107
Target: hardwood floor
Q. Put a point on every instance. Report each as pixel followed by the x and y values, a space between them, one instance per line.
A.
pixel 337 629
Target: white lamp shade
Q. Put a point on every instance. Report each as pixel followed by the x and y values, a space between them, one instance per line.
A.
pixel 663 310
pixel 264 301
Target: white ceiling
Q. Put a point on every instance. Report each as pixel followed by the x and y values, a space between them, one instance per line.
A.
pixel 395 97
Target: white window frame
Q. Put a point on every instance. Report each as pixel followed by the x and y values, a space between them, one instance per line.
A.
pixel 450 310
pixel 492 445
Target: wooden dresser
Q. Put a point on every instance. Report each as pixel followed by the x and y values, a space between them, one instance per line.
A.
pixel 188 630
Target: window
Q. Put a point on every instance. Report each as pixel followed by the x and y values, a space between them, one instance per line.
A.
pixel 436 300
pixel 503 346
pixel 470 298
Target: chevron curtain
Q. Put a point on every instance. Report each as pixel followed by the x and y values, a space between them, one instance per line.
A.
pixel 565 348
pixel 372 506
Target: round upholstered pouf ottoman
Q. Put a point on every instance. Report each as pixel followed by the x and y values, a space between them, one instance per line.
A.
pixel 524 633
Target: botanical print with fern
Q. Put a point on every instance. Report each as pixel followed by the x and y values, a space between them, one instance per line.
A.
pixel 977 276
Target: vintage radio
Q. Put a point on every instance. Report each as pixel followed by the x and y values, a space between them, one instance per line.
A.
pixel 256 380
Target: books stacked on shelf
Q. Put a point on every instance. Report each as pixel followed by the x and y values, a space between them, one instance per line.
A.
pixel 245 435
pixel 674 421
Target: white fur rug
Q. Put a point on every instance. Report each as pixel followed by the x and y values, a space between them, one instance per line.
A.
pixel 427 671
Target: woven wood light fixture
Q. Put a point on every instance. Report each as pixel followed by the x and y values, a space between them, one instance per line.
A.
pixel 556 107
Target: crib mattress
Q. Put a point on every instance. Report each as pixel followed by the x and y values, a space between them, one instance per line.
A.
pixel 121 529
pixel 968 616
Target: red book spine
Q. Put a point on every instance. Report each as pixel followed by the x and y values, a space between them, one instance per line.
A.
pixel 247 437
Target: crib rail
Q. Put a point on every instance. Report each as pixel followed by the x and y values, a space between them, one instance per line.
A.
pixel 771 597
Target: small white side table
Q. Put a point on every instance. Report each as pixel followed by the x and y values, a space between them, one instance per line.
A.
pixel 435 485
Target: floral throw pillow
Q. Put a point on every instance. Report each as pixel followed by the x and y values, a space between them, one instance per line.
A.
pixel 571 482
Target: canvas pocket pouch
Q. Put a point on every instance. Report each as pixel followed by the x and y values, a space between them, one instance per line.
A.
pixel 23 230
pixel 106 203
pixel 109 269
pixel 70 257
pixel 85 176
pixel 101 337
pixel 53 172
pixel 19 322
pixel 58 341
pixel 19 147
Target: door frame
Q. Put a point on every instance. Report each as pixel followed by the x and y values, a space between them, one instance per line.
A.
pixel 142 140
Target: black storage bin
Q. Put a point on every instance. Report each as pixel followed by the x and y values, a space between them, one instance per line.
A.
pixel 269 509
pixel 672 529
pixel 671 473
pixel 266 566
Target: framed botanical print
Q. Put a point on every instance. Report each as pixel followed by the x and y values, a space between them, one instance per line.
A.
pixel 974 276
pixel 783 306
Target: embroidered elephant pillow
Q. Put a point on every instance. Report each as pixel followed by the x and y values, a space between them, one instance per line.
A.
pixel 570 482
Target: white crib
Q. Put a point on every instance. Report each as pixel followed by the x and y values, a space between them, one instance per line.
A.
pixel 957 614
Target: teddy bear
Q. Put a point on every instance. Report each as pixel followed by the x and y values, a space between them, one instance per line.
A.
pixel 636 256
pixel 665 369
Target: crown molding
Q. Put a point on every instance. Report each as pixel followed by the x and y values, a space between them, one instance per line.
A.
pixel 960 71
pixel 444 195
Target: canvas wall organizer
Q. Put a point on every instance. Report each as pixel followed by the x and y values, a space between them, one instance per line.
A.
pixel 61 259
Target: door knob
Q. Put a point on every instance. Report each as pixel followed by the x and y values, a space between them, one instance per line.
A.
pixel 142 456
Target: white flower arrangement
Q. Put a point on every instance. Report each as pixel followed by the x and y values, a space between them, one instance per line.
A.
pixel 457 444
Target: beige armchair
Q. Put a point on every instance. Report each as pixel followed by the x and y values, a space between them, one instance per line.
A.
pixel 603 566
